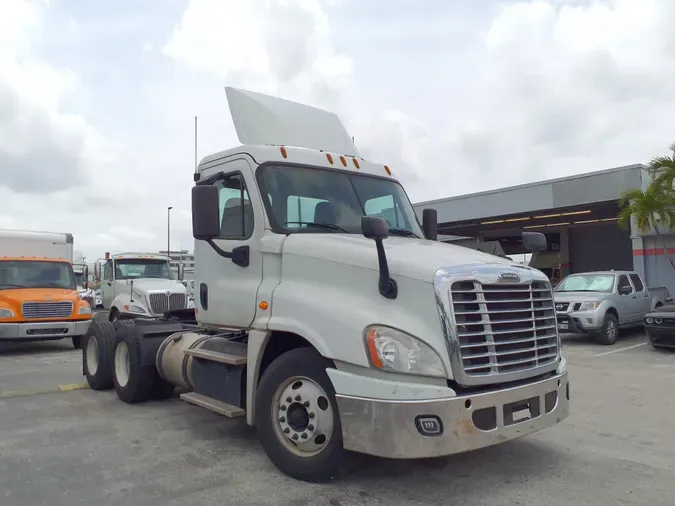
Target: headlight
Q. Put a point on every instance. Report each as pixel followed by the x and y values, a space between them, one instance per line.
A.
pixel 6 313
pixel 396 351
pixel 84 310
pixel 589 305
pixel 134 309
pixel 649 320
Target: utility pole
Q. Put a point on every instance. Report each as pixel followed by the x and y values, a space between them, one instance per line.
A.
pixel 168 232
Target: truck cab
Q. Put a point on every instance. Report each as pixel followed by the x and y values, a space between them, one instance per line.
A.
pixel 39 298
pixel 138 285
pixel 330 318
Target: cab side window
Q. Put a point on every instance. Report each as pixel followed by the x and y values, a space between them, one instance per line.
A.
pixel 107 271
pixel 623 283
pixel 637 282
pixel 236 212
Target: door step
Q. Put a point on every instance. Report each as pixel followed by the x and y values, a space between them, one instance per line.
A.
pixel 215 356
pixel 220 407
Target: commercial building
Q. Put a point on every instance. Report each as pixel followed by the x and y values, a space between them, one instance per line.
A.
pixel 182 257
pixel 577 214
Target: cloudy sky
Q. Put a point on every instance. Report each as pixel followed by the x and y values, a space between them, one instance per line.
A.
pixel 97 99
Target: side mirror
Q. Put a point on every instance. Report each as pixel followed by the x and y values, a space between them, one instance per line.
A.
pixel 97 271
pixel 534 241
pixel 430 224
pixel 181 272
pixel 377 229
pixel 373 227
pixel 625 290
pixel 85 277
pixel 205 213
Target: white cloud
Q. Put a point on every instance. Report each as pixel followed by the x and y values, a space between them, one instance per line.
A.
pixel 562 87
pixel 452 102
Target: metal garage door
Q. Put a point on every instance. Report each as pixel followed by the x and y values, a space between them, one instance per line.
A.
pixel 600 247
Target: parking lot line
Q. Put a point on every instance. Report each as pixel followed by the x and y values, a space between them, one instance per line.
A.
pixel 621 349
pixel 59 388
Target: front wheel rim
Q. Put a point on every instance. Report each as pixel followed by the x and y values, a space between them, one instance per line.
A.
pixel 122 364
pixel 92 356
pixel 302 416
pixel 611 329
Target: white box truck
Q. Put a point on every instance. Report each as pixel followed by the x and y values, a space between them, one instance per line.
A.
pixel 39 297
pixel 331 319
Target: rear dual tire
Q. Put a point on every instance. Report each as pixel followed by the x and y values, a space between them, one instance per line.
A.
pixel 114 361
pixel 135 382
pixel 99 342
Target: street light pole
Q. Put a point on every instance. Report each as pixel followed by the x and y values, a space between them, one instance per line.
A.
pixel 168 232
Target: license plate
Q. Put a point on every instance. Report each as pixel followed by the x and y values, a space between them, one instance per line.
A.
pixel 563 326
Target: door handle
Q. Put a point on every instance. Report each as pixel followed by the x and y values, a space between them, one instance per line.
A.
pixel 109 284
pixel 634 297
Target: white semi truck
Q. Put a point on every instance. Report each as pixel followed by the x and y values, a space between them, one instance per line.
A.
pixel 137 285
pixel 330 319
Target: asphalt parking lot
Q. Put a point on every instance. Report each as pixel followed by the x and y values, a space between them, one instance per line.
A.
pixel 61 444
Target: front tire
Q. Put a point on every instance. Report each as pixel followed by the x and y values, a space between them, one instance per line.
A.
pixel 610 330
pixel 297 417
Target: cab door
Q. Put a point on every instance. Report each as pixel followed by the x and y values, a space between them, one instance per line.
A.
pixel 225 291
pixel 107 285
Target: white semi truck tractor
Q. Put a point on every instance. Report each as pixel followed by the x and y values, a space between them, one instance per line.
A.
pixel 330 319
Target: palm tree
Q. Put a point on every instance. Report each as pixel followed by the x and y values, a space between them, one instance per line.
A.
pixel 650 208
pixel 662 170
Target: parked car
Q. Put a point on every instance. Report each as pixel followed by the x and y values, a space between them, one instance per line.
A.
pixel 660 326
pixel 600 303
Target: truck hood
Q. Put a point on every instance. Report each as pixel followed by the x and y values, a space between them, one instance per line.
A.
pixel 161 285
pixel 579 296
pixel 409 257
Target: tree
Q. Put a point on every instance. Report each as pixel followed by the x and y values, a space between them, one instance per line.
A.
pixel 650 208
pixel 662 171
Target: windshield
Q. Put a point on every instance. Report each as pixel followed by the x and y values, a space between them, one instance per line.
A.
pixel 142 268
pixel 587 283
pixel 311 200
pixel 36 274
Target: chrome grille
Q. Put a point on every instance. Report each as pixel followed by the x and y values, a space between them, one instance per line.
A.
pixel 160 303
pixel 504 328
pixel 60 309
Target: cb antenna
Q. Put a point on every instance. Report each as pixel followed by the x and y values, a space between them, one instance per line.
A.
pixel 195 144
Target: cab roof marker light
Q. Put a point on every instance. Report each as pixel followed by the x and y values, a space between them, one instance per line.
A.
pixel 283 152
pixel 343 160
pixel 356 163
pixel 387 170
pixel 329 158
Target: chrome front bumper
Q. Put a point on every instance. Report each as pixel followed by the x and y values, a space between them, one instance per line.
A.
pixel 44 330
pixel 433 428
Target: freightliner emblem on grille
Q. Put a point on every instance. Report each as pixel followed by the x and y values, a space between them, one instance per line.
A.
pixel 509 276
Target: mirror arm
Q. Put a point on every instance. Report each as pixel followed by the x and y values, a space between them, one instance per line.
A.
pixel 386 284
pixel 239 255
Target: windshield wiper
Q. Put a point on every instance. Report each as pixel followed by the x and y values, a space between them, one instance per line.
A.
pixel 402 232
pixel 328 226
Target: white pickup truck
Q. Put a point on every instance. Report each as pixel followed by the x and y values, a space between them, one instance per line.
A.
pixel 600 303
pixel 330 319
